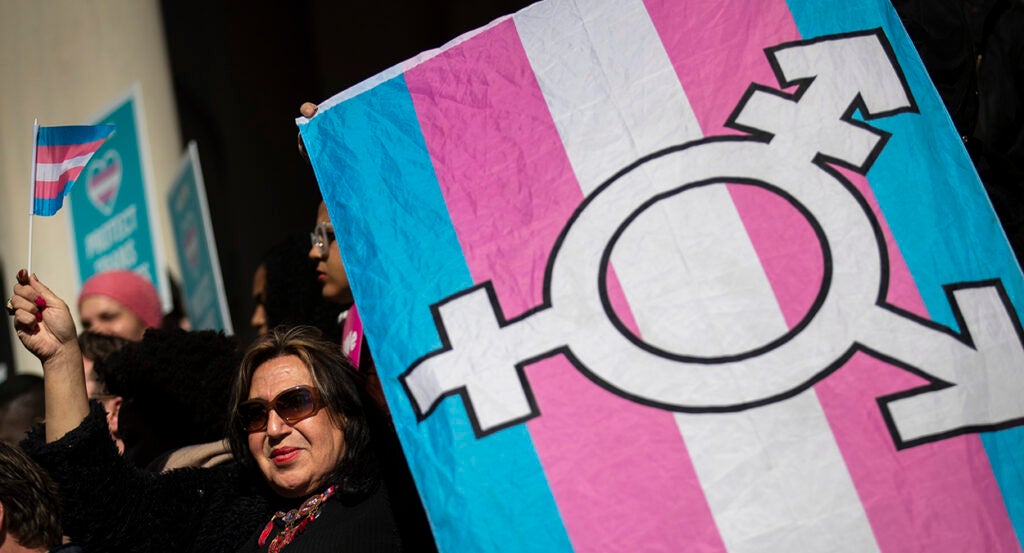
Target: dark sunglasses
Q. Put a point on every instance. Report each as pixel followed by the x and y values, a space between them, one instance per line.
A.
pixel 292 405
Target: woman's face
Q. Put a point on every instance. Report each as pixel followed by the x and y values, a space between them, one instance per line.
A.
pixel 296 459
pixel 330 270
pixel 259 295
pixel 104 315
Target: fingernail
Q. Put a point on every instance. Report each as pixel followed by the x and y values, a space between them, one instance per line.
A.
pixel 39 315
pixel 22 276
pixel 40 302
pixel 35 328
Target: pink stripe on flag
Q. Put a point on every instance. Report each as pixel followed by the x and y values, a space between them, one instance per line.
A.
pixel 48 190
pixel 714 90
pixel 945 490
pixel 717 53
pixel 939 497
pixel 62 152
pixel 496 155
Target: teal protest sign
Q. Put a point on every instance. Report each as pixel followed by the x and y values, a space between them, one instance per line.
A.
pixel 202 284
pixel 113 224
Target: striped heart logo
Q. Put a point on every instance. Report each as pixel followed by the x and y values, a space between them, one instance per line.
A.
pixel 103 181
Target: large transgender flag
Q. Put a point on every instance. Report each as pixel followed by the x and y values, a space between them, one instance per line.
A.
pixel 683 275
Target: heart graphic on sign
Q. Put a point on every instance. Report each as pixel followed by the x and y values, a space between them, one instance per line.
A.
pixel 103 181
pixel 190 243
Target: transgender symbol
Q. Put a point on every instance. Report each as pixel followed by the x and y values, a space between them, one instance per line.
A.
pixel 977 373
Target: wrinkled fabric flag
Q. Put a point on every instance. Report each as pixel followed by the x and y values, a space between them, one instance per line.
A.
pixel 61 154
pixel 683 276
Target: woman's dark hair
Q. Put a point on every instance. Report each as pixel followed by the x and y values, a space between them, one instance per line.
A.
pixel 292 293
pixel 338 384
pixel 97 348
pixel 173 384
pixel 29 497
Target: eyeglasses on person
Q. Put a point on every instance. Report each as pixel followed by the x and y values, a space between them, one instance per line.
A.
pixel 321 237
pixel 292 405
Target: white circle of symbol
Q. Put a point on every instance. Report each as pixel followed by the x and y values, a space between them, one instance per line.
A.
pixel 615 358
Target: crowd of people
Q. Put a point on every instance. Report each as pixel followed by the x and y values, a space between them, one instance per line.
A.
pixel 143 436
pixel 159 438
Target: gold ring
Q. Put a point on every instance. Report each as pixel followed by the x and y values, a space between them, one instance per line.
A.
pixel 10 306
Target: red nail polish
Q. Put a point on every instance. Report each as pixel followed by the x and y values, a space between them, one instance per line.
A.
pixel 35 329
pixel 39 315
pixel 40 302
pixel 23 276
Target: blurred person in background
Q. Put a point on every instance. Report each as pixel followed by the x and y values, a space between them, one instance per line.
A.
pixel 119 303
pixel 97 348
pixel 29 508
pixel 172 387
pixel 330 271
pixel 22 406
pixel 285 291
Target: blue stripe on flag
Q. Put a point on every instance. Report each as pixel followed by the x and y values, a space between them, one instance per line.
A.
pixel 75 134
pixel 934 261
pixel 47 206
pixel 462 479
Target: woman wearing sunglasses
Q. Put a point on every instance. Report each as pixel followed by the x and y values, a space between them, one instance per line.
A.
pixel 304 481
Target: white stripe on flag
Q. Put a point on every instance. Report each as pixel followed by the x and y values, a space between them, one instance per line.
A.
pixel 595 97
pixel 776 481
pixel 49 172
pixel 757 480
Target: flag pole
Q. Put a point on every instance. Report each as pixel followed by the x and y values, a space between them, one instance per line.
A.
pixel 32 194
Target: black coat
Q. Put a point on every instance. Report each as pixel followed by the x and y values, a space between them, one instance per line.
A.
pixel 111 506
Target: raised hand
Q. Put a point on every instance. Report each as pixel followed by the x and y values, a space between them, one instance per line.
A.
pixel 45 327
pixel 41 319
pixel 307 110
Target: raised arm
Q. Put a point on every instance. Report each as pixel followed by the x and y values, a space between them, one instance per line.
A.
pixel 45 327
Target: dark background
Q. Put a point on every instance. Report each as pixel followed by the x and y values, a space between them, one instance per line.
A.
pixel 242 69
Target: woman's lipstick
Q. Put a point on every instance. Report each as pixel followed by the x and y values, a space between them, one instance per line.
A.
pixel 283 455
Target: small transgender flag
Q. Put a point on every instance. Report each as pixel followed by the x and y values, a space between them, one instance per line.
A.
pixel 61 154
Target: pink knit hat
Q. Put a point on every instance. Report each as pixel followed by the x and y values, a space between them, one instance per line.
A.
pixel 128 288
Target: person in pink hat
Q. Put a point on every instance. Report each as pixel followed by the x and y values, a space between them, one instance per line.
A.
pixel 119 303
